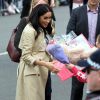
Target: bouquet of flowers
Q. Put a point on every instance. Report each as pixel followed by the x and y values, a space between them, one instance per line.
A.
pixel 60 62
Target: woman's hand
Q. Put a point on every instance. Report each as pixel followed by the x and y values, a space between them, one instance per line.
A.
pixel 51 67
pixel 70 66
pixel 48 65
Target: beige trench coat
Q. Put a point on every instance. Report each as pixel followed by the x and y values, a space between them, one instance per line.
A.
pixel 31 78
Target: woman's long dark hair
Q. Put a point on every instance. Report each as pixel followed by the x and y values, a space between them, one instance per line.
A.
pixel 38 11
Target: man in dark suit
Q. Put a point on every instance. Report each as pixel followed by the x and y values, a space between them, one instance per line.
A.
pixel 86 20
pixel 71 4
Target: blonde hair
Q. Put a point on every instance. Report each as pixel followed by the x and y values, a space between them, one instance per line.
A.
pixel 98 41
pixel 98 38
pixel 36 2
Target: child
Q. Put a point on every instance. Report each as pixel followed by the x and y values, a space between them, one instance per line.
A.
pixel 93 76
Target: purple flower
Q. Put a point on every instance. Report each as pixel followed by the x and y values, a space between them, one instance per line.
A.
pixel 58 53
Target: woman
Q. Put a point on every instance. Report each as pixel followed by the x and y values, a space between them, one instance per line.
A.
pixel 35 61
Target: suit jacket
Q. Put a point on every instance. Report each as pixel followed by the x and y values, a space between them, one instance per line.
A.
pixel 79 22
pixel 32 78
pixel 71 4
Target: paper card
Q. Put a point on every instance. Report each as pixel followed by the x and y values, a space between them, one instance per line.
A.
pixel 63 38
pixel 80 41
pixel 64 74
pixel 58 39
pixel 58 65
pixel 70 36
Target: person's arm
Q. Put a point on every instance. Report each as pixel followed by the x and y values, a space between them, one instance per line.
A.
pixel 81 76
pixel 87 53
pixel 70 6
pixel 48 65
pixel 52 3
pixel 72 22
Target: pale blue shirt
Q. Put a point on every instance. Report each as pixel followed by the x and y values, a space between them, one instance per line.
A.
pixel 92 23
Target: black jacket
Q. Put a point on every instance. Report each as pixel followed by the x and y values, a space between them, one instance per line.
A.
pixel 71 4
pixel 26 8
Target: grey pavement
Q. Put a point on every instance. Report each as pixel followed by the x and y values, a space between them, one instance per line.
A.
pixel 60 90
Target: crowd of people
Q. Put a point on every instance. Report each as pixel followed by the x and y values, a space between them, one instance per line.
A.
pixel 9 7
pixel 36 64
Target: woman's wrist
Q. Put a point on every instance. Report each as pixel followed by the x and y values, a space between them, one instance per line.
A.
pixel 37 62
pixel 43 63
pixel 70 66
pixel 48 65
